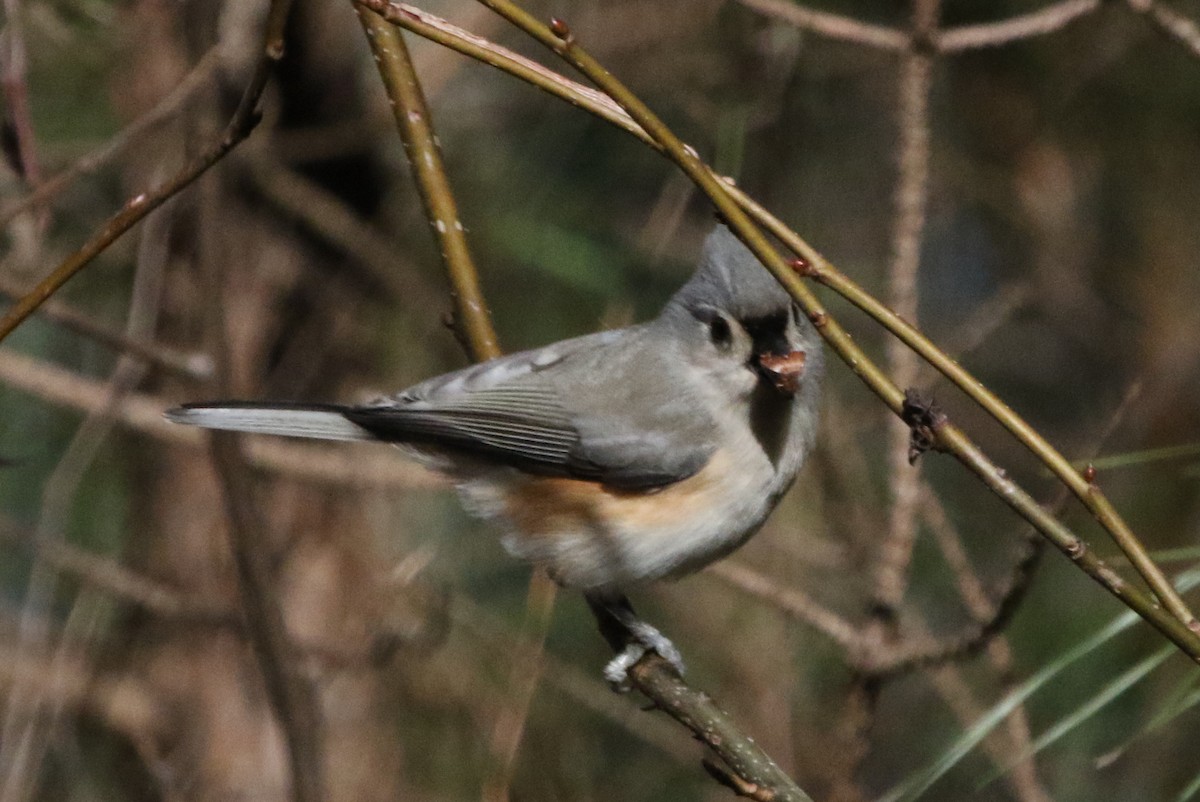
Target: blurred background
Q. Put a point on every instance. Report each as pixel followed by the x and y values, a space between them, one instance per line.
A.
pixel 1057 235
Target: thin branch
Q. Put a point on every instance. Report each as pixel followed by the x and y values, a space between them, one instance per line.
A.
pixel 118 581
pixel 474 326
pixel 243 121
pixel 1053 17
pixel 792 602
pixel 449 35
pixel 420 145
pixel 28 725
pixel 910 199
pixel 329 218
pixel 1174 25
pixel 353 466
pixel 758 776
pixel 831 26
pixel 195 365
pixel 123 703
pixel 528 666
pixel 293 698
pixel 983 322
pixel 163 111
pixel 16 93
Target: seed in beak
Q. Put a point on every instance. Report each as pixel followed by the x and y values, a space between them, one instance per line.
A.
pixel 784 371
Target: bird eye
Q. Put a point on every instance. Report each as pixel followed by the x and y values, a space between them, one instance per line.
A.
pixel 719 331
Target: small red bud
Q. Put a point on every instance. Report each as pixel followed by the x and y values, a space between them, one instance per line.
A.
pixel 819 319
pixel 1089 474
pixel 801 266
pixel 559 28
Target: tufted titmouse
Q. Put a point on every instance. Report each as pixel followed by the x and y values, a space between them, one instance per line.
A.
pixel 614 458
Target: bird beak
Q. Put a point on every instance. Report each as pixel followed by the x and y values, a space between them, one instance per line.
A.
pixel 783 371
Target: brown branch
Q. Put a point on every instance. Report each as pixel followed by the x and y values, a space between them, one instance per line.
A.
pixel 757 774
pixel 528 666
pixel 831 26
pixel 1046 20
pixel 166 108
pixel 345 465
pixel 293 698
pixel 425 157
pixel 195 365
pixel 910 200
pixel 793 603
pixel 122 703
pixel 329 218
pixel 16 94
pixel 474 326
pixel 1171 23
pixel 240 126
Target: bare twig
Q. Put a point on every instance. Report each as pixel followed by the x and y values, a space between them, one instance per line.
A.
pixel 792 602
pixel 1174 25
pixel 329 218
pixel 121 702
pixel 832 26
pixel 909 202
pixel 27 726
pixel 1053 17
pixel 193 365
pixel 346 465
pixel 524 675
pixel 293 697
pixel 240 125
pixel 757 774
pixel 163 111
pixel 420 145
pixel 16 93
pixel 117 580
pixel 475 330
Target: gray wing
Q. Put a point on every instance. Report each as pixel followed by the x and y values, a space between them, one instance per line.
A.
pixel 562 410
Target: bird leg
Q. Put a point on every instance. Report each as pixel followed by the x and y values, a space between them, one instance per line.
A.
pixel 629 636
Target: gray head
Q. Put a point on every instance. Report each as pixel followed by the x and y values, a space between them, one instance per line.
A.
pixel 734 315
pixel 730 278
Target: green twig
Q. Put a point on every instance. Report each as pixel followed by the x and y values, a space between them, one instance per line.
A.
pixel 420 145
pixel 475 329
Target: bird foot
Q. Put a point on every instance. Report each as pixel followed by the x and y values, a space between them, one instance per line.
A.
pixel 645 638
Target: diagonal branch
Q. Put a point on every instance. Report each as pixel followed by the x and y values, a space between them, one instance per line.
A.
pixel 1053 17
pixel 241 124
pixel 829 25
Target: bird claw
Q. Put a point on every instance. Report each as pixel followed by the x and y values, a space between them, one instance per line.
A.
pixel 645 639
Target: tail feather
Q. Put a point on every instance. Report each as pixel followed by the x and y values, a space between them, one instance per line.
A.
pixel 318 421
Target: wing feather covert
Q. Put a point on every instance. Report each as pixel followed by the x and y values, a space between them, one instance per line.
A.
pixel 556 423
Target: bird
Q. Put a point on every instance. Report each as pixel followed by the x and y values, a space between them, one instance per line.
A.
pixel 612 459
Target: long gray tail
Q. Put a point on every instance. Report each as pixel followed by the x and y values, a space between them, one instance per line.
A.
pixel 318 421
